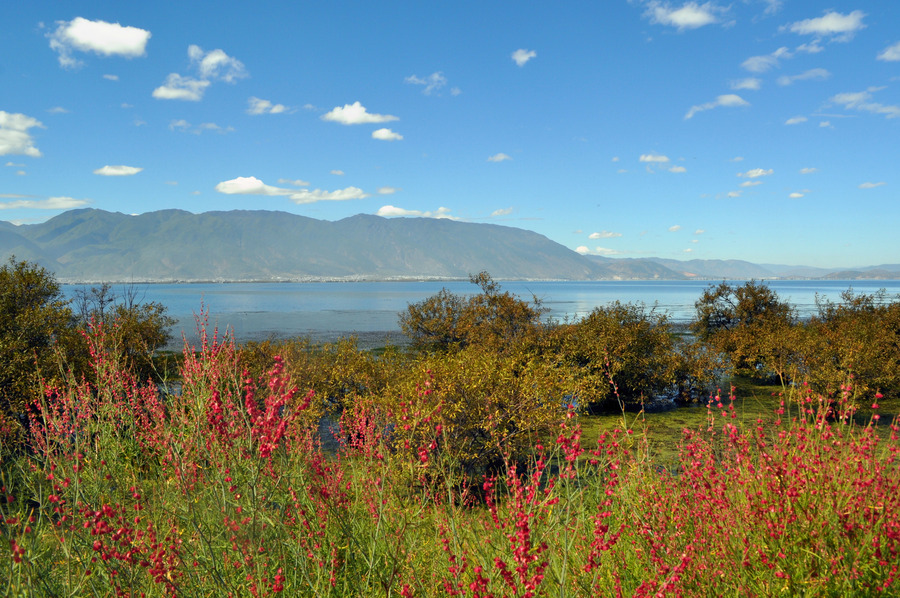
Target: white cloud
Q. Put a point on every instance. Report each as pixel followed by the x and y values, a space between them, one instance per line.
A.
pixel 582 249
pixel 521 56
pixel 100 37
pixel 868 185
pixel 386 135
pixel 737 159
pixel 699 231
pixel 185 126
pixel 604 234
pixel 337 172
pixel 501 157
pixel 755 173
pixel 675 228
pixel 51 203
pixel 250 186
pixel 294 182
pixel 825 124
pixel 305 196
pixel 177 87
pixel 433 82
pixel 808 170
pixel 356 114
pixel 795 120
pixel 748 83
pixel 14 165
pixel 688 250
pixel 615 158
pixel 58 110
pixel 111 77
pixel 811 74
pixel 393 212
pixel 654 158
pixel 502 212
pixel 216 64
pixel 795 195
pixel 14 136
pixel 254 186
pixel 727 100
pixel 118 170
pixel 387 190
pixel 690 16
pixel 260 106
pixel 862 101
pixel 891 53
pixel 761 64
pixel 678 169
pixel 733 194
pixel 210 66
pixel 751 183
pixel 834 24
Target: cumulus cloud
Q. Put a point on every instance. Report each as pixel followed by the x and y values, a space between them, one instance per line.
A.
pixel 214 65
pixel 58 110
pixel 810 75
pixel 294 182
pixel 795 120
pixel 678 169
pixel 868 185
pixel 749 83
pixel 356 114
pixel 755 173
pixel 728 100
pixel 691 15
pixel 259 106
pixel 699 231
pixel 795 195
pixel 118 170
pixel 604 234
pixel 177 87
pixel 394 212
pixel 387 190
pixel 675 228
pixel 14 136
pixel 832 24
pixel 305 196
pixel 111 77
pixel 657 158
pixel 254 186
pixel 501 157
pixel 761 64
pixel 891 53
pixel 185 126
pixel 583 249
pixel 337 172
pixel 733 194
pixel 386 135
pixel 99 37
pixel 808 170
pixel 502 212
pixel 522 56
pixel 862 101
pixel 751 183
pixel 51 203
pixel 432 83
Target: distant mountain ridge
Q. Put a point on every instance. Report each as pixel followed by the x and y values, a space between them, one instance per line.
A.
pixel 89 245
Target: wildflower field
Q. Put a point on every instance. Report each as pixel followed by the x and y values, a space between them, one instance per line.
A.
pixel 225 489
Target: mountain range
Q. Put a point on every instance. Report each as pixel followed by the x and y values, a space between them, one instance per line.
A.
pixel 90 245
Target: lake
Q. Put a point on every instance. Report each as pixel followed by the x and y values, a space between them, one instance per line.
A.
pixel 325 311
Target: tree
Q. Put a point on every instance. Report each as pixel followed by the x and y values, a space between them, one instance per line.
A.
pixel 750 325
pixel 134 329
pixel 491 318
pixel 34 318
pixel 622 351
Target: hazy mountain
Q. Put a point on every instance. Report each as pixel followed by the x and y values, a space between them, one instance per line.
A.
pixel 174 245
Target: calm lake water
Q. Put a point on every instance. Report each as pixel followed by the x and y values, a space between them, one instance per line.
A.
pixel 327 310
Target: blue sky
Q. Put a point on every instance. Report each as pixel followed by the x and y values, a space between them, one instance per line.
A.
pixel 762 130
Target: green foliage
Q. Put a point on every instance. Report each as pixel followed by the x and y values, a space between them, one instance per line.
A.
pixel 491 318
pixel 750 325
pixel 622 351
pixel 856 341
pixel 33 318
